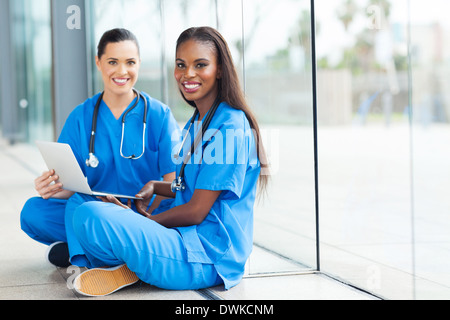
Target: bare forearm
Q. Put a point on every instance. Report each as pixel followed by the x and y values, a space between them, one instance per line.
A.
pixel 181 216
pixel 163 188
pixel 191 213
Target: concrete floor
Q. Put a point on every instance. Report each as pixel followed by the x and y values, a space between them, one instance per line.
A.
pixel 26 275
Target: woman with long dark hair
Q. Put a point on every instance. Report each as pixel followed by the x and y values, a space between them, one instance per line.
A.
pixel 203 235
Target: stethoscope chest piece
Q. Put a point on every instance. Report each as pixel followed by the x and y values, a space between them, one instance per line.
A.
pixel 178 185
pixel 92 162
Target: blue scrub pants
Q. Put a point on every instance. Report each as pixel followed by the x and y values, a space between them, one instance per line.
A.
pixel 102 234
pixel 49 221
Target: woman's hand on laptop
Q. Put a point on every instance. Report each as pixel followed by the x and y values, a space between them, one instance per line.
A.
pixel 114 200
pixel 47 186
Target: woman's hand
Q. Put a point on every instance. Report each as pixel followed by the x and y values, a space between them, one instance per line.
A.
pixel 146 194
pixel 192 213
pixel 48 186
pixel 159 188
pixel 114 200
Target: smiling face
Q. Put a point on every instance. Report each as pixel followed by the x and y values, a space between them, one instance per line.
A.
pixel 197 73
pixel 119 66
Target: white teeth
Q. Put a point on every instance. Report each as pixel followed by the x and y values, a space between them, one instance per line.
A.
pixel 121 81
pixel 191 86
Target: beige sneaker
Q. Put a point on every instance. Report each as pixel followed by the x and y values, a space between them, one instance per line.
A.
pixel 103 282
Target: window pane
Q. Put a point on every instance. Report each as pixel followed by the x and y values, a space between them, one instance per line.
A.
pixel 278 83
pixel 32 51
pixel 430 31
pixel 364 144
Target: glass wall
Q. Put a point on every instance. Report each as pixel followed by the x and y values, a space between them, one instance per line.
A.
pixel 33 56
pixel 364 144
pixel 383 121
pixel 278 84
pixel 430 80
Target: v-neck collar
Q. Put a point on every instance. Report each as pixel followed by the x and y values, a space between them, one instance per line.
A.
pixel 109 114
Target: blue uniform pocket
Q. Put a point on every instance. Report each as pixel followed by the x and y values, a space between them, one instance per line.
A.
pixel 195 251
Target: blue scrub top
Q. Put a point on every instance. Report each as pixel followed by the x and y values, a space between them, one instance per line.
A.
pixel 228 163
pixel 115 173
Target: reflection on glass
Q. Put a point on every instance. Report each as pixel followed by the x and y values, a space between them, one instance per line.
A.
pixel 32 50
pixel 430 71
pixel 278 84
pixel 383 79
pixel 369 214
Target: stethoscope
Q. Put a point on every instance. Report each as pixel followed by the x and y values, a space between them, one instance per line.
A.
pixel 178 184
pixel 93 161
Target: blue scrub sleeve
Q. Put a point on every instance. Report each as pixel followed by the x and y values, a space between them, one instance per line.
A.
pixel 71 130
pixel 71 133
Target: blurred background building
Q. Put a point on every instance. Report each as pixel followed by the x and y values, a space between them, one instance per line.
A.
pixel 355 114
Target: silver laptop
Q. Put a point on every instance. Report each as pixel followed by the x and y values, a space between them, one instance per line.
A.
pixel 60 157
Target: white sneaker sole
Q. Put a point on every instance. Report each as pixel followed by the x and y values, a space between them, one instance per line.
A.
pixel 103 282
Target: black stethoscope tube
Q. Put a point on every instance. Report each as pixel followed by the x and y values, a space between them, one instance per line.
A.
pixel 178 184
pixel 93 160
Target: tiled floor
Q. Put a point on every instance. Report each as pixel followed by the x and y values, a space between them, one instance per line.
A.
pixel 25 275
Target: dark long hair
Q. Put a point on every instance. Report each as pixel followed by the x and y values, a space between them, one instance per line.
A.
pixel 229 87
